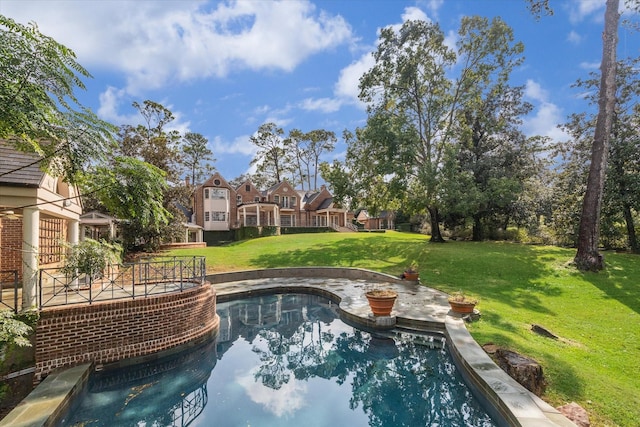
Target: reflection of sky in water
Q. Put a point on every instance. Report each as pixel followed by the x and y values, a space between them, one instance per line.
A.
pixel 287 400
pixel 304 368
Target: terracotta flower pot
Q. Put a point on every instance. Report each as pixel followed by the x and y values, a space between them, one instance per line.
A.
pixel 411 275
pixel 462 307
pixel 381 301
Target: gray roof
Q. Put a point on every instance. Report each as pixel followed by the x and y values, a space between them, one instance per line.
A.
pixel 18 168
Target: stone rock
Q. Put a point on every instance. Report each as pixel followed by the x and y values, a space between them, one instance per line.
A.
pixel 490 348
pixel 575 413
pixel 526 371
pixel 541 330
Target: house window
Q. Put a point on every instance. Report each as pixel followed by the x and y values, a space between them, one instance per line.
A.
pixel 239 199
pixel 247 188
pixel 49 241
pixel 218 216
pixel 276 199
pixel 206 217
pixel 218 193
pixel 285 221
pixel 256 199
pixel 216 181
pixel 293 201
pixel 206 193
pixel 285 201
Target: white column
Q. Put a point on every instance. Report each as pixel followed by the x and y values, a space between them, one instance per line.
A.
pixel 30 240
pixel 345 218
pixel 74 231
pixel 258 215
pixel 276 217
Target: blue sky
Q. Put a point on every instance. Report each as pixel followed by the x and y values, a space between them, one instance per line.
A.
pixel 225 68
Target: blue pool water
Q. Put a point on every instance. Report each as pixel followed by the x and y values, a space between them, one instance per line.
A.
pixel 287 360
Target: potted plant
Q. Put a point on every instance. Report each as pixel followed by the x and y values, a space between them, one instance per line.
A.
pixel 90 258
pixel 411 273
pixel 461 303
pixel 381 301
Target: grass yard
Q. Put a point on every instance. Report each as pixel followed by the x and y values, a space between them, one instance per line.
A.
pixel 596 363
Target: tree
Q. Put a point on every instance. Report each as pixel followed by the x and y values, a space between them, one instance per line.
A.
pixel 620 200
pixel 340 182
pixel 133 191
pixel 39 111
pixel 197 157
pixel 409 88
pixel 493 154
pixel 309 147
pixel 588 258
pixel 272 160
pixel 151 141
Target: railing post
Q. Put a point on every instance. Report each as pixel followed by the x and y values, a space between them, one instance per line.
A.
pixel 39 291
pixel 15 291
pixel 181 283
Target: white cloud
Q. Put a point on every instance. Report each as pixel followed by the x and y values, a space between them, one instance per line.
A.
pixel 415 14
pixel 547 115
pixel 155 43
pixel 240 145
pixel 325 105
pixel 580 9
pixel 574 38
pixel 535 91
pixel 346 87
pixel 590 65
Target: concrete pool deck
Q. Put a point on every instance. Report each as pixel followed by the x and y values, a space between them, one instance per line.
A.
pixel 417 308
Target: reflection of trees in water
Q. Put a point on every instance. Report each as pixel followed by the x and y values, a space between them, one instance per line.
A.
pixel 168 392
pixel 397 382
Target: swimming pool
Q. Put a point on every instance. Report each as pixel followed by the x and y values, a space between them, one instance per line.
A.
pixel 287 360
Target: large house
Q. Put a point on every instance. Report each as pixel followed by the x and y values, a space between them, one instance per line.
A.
pixel 37 212
pixel 218 206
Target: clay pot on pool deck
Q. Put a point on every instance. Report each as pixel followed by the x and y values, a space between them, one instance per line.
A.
pixel 381 301
pixel 462 304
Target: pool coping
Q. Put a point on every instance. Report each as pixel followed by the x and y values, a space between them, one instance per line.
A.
pixel 417 308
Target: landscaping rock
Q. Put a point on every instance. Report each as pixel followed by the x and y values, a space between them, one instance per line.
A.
pixel 526 371
pixel 575 413
pixel 541 330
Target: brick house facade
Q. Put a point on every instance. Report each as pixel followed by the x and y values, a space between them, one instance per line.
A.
pixel 218 206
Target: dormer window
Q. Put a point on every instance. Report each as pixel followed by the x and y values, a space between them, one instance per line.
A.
pixel 247 188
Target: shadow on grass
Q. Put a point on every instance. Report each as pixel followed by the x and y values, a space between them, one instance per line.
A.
pixel 619 280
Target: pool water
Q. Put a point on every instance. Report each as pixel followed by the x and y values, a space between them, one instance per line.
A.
pixel 287 360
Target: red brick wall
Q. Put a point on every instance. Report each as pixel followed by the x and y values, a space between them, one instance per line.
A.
pixel 11 245
pixel 112 331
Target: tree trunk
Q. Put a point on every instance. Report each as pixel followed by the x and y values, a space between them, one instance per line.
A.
pixel 631 229
pixel 477 229
pixel 587 257
pixel 436 236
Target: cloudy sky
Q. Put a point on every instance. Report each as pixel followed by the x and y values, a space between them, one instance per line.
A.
pixel 226 67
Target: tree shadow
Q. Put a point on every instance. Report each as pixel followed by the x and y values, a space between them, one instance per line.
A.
pixel 619 280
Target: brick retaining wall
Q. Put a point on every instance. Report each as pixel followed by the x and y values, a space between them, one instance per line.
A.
pixel 109 332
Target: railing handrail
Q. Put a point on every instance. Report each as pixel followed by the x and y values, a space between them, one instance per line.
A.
pixel 145 277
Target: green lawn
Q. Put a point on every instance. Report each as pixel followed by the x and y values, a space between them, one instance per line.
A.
pixel 597 361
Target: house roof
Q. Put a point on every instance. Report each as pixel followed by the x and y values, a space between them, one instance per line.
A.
pixel 18 168
pixel 326 203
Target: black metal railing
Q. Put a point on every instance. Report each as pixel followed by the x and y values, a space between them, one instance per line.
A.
pixel 9 289
pixel 150 276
